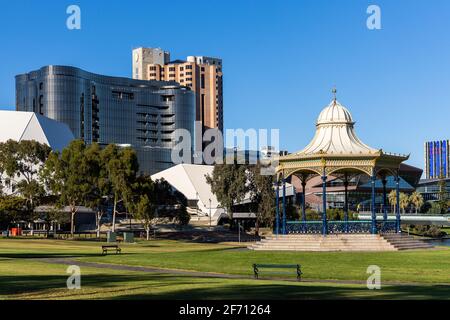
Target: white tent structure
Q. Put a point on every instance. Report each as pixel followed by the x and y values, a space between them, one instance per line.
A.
pixel 190 180
pixel 16 125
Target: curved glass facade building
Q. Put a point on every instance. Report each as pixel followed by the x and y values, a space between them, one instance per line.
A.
pixel 103 109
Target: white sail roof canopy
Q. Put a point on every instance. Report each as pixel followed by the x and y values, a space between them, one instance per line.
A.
pixel 335 134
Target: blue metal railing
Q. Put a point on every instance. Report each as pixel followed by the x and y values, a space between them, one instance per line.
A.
pixel 335 227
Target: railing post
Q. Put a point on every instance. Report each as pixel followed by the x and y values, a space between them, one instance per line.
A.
pixel 284 206
pixel 346 204
pixel 277 207
pixel 397 214
pixel 374 212
pixel 384 200
pixel 304 205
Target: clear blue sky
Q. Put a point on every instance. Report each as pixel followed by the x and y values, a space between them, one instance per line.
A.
pixel 281 58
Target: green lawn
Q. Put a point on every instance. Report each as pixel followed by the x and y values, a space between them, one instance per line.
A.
pixel 24 277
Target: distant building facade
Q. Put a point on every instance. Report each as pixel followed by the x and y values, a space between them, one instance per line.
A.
pixel 202 74
pixel 103 109
pixel 437 159
pixel 430 189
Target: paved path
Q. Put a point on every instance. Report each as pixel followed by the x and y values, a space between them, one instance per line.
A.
pixel 200 274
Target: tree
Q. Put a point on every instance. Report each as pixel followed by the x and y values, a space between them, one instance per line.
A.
pixel 404 201
pixel 121 169
pixel 169 202
pixel 69 176
pixel 145 211
pixel 13 209
pixel 392 198
pixel 229 184
pixel 443 201
pixel 20 165
pixel 101 187
pixel 261 193
pixel 417 200
pixel 143 204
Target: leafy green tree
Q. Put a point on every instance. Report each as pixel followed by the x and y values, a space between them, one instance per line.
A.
pixel 121 170
pixel 229 184
pixel 417 200
pixel 404 201
pixel 262 193
pixel 392 198
pixel 69 176
pixel 443 198
pixel 20 164
pixel 143 205
pixel 145 211
pixel 169 202
pixel 13 209
pixel 98 198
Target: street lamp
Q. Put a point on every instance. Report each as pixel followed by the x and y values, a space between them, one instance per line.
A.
pixel 209 214
pixel 198 216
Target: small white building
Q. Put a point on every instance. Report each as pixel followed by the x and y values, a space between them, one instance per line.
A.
pixel 190 180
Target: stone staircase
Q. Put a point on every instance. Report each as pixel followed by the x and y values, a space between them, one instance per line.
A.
pixel 405 242
pixel 340 242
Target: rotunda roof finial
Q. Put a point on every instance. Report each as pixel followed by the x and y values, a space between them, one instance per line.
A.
pixel 334 91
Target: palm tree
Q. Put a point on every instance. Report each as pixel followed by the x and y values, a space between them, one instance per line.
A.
pixel 392 197
pixel 404 201
pixel 417 200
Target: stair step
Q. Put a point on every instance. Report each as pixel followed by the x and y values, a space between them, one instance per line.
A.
pixel 339 242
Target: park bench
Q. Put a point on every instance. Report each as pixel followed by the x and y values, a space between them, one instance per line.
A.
pixel 107 248
pixel 276 269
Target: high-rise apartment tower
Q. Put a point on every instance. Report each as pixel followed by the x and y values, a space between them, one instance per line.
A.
pixel 202 74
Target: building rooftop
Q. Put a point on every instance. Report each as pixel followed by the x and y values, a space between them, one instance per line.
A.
pixel 18 126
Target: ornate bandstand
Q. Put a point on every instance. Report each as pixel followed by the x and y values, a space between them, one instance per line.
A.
pixel 336 150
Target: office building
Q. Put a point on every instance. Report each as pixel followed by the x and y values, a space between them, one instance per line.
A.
pixel 437 159
pixel 202 74
pixel 103 109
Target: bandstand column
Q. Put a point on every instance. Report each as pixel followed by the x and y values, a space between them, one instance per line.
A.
pixel 397 209
pixel 374 211
pixel 324 204
pixel 384 200
pixel 303 201
pixel 284 206
pixel 277 207
pixel 346 203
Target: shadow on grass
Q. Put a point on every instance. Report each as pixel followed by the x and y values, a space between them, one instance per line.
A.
pixel 33 283
pixel 291 292
pixel 46 255
pixel 163 286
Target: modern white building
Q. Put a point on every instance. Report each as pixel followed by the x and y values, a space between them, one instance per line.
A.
pixel 190 180
pixel 18 126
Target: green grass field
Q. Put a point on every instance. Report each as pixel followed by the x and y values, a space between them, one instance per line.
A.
pixel 425 273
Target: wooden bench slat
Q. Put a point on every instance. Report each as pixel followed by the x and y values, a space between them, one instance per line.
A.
pixel 106 248
pixel 257 269
pixel 276 265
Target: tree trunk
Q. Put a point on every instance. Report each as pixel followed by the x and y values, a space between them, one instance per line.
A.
pixel 114 214
pixel 99 217
pixel 72 222
pixel 148 233
pixel 256 228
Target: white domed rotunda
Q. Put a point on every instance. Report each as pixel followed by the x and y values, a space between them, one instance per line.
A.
pixel 336 149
